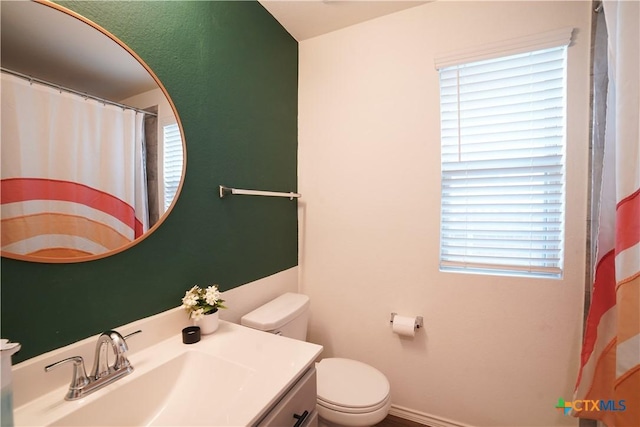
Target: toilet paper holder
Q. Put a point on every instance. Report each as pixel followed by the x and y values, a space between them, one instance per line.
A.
pixel 417 325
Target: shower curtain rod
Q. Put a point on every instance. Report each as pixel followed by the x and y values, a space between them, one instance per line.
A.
pixel 598 7
pixel 75 92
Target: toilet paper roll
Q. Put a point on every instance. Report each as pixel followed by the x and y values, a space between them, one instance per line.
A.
pixel 404 325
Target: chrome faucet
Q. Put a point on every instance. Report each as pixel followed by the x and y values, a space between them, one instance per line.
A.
pixel 103 373
pixel 101 368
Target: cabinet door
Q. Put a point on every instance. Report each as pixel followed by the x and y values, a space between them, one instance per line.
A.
pixel 297 407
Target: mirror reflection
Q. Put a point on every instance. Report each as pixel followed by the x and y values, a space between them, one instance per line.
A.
pixel 92 154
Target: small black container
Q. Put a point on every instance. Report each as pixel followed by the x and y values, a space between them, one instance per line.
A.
pixel 191 334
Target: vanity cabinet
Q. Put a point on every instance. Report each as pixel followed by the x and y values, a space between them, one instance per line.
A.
pixel 260 380
pixel 297 406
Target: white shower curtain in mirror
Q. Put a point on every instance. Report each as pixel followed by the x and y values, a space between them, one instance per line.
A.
pixel 73 182
pixel 610 365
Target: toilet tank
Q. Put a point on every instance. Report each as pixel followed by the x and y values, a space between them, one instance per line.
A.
pixel 286 315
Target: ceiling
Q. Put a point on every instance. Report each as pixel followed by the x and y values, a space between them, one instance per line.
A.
pixel 41 42
pixel 304 19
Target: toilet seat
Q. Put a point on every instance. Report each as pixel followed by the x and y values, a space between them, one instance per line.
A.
pixel 351 387
pixel 348 410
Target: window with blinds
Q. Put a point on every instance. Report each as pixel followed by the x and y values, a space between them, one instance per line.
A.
pixel 503 145
pixel 172 162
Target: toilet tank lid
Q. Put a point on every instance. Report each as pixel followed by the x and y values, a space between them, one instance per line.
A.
pixel 276 312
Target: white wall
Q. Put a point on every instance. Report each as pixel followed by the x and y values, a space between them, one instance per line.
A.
pixel 246 298
pixel 28 381
pixel 496 351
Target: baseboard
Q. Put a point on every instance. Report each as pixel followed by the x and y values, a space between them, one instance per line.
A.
pixel 422 418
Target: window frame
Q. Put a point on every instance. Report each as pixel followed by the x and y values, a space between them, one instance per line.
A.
pixel 555 39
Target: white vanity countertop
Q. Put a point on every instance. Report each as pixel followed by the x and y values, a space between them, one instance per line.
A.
pixel 250 369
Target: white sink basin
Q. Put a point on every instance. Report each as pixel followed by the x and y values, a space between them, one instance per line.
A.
pixel 229 378
pixel 169 395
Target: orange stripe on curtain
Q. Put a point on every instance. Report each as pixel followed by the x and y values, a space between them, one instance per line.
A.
pixel 629 385
pixel 604 297
pixel 604 375
pixel 628 218
pixel 60 253
pixel 23 189
pixel 628 297
pixel 28 226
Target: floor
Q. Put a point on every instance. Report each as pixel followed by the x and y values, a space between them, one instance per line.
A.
pixel 392 421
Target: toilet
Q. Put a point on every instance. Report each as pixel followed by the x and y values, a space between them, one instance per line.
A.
pixel 350 393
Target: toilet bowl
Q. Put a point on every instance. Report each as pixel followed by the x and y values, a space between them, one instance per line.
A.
pixel 350 393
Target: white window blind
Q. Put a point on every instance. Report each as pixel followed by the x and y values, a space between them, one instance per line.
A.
pixel 503 139
pixel 172 162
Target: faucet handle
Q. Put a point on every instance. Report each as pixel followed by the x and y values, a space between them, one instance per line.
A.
pixel 126 337
pixel 79 378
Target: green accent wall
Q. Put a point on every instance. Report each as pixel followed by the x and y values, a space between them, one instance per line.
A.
pixel 231 71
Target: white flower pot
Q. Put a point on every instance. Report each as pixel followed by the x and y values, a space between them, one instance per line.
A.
pixel 208 323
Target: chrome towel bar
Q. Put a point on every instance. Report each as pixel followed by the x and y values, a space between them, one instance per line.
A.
pixel 225 191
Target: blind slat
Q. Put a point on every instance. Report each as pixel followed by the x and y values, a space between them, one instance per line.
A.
pixel 502 136
pixel 473 267
pixel 172 162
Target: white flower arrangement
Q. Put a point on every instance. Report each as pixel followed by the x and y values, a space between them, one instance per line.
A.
pixel 198 302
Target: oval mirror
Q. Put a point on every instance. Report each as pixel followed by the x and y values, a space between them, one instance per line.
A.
pixel 92 154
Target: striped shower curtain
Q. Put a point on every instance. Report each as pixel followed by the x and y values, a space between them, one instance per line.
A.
pixel 73 181
pixel 610 364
